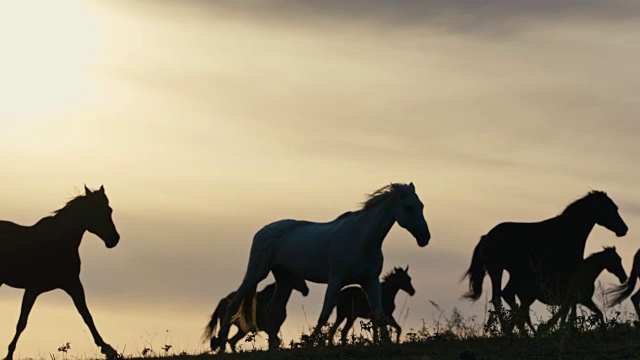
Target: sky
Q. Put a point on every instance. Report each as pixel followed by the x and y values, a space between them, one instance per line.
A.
pixel 206 120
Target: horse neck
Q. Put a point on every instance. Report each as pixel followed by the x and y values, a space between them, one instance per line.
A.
pixel 377 222
pixel 389 290
pixel 65 228
pixel 580 224
pixel 591 268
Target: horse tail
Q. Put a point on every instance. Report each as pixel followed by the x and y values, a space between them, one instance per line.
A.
pixel 475 273
pixel 212 326
pixel 245 317
pixel 619 293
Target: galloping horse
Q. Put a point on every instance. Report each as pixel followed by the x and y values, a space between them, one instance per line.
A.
pixel 44 257
pixel 352 302
pixel 623 291
pixel 579 291
pixel 244 319
pixel 545 253
pixel 347 250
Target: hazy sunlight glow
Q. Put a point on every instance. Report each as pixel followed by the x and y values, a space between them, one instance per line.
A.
pixel 47 49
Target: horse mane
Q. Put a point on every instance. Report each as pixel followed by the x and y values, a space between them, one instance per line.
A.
pixel 604 248
pixel 344 215
pixel 71 204
pixel 390 274
pixel 577 204
pixel 382 195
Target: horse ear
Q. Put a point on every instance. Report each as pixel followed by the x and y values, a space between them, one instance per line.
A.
pixel 406 269
pixel 412 186
pixel 101 189
pixel 86 190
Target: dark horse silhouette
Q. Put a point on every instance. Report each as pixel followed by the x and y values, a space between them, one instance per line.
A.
pixel 344 251
pixel 352 302
pixel 45 256
pixel 618 294
pixel 545 254
pixel 244 319
pixel 580 290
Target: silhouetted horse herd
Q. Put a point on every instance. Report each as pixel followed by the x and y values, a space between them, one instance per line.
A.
pixel 545 261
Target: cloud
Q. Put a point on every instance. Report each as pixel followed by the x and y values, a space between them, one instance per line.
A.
pixel 461 15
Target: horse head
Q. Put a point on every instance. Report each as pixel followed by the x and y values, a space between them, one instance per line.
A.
pixel 408 213
pixel 401 277
pixel 97 216
pixel 613 263
pixel 606 213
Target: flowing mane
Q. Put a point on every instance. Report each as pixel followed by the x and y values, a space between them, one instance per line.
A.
pixel 383 195
pixel 580 203
pixel 389 275
pixel 71 204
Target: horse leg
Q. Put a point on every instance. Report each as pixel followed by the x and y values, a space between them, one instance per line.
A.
pixel 509 295
pixel 237 337
pixel 496 297
pixel 573 314
pixel 277 308
pixel 592 306
pixel 635 300
pixel 332 331
pixel 346 328
pixel 76 291
pixel 28 299
pixel 257 270
pixel 561 315
pixel 342 312
pixel 373 291
pixel 395 325
pixel 523 312
pixel 333 288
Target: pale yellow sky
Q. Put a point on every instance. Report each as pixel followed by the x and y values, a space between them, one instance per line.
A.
pixel 206 122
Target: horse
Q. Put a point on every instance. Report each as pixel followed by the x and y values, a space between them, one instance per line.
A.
pixel 44 256
pixel 618 294
pixel 352 302
pixel 347 250
pixel 580 290
pixel 547 252
pixel 246 320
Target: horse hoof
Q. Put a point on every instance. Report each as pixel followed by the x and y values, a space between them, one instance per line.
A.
pixel 110 353
pixel 214 343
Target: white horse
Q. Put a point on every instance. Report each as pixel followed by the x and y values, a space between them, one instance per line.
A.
pixel 347 250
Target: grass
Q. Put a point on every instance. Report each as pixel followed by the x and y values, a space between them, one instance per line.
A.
pixel 449 336
pixel 455 337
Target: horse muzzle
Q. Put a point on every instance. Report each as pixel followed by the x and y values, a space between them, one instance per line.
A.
pixel 622 232
pixel 424 240
pixel 113 241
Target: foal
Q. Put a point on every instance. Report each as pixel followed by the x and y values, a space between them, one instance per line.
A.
pixel 244 319
pixel 44 256
pixel 580 290
pixel 353 303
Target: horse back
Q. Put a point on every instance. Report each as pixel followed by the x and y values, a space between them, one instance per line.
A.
pixel 511 239
pixel 10 231
pixel 15 240
pixel 30 255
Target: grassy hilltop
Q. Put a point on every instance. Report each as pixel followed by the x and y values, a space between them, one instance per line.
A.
pixel 465 339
